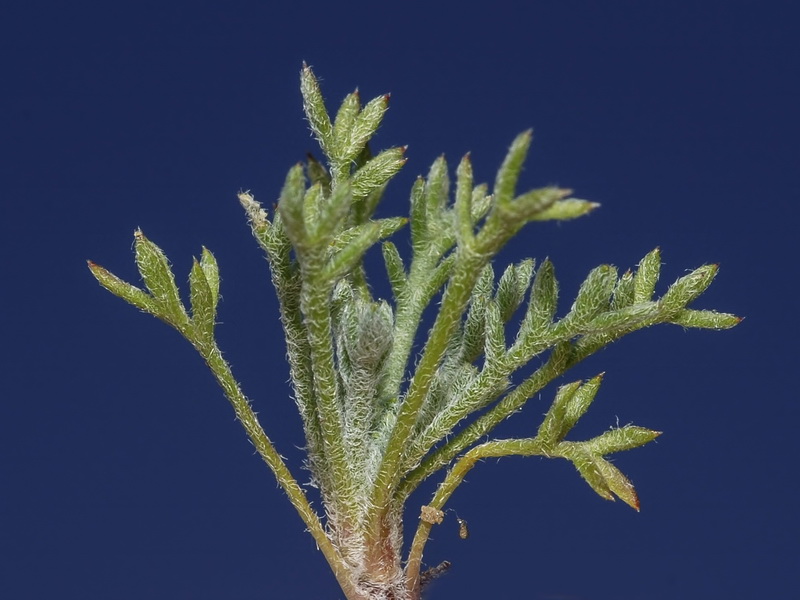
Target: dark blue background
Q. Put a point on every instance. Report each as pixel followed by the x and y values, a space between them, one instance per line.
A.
pixel 124 474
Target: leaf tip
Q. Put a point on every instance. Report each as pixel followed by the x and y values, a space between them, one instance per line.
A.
pixel 96 269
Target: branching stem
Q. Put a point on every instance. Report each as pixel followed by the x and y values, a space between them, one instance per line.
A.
pixel 467 269
pixel 497 448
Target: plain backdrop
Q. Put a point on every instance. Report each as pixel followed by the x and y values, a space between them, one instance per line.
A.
pixel 123 473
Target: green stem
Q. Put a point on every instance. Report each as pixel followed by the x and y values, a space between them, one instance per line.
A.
pixel 316 309
pixel 244 412
pixel 288 287
pixel 497 448
pixel 410 306
pixel 454 302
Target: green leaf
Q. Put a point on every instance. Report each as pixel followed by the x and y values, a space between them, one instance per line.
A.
pixel 593 296
pixel 481 202
pixel 563 210
pixel 128 292
pixel 495 345
pixel 618 483
pixel 688 287
pixel 419 216
pixel 587 465
pixel 211 270
pixel 313 202
pixel 366 124
pixel 377 171
pixel 203 303
pixel 530 205
pixel 706 319
pixel 603 477
pixel 367 332
pixel 552 430
pixel 625 319
pixel 332 213
pixel 314 107
pixel 364 208
pixel 512 287
pixel 623 292
pixel 290 206
pixel 317 174
pixel 157 275
pixel 507 176
pixel 621 438
pixel 394 268
pixel 474 330
pixel 644 282
pixel 542 304
pixel 257 217
pixel 580 401
pixel 355 241
pixel 463 203
pixel 386 227
pixel 570 404
pixel 506 218
pixel 437 188
pixel 343 128
pixel 272 237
